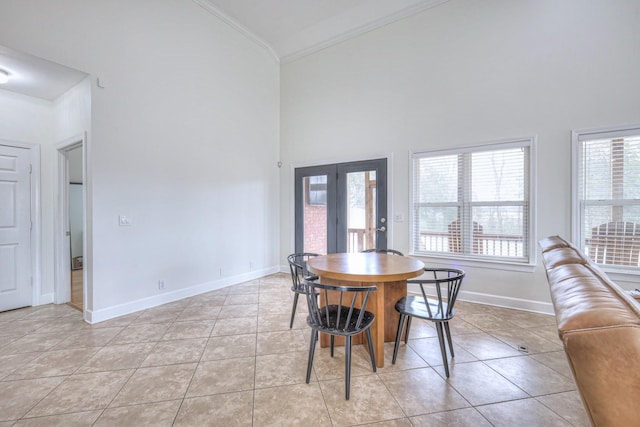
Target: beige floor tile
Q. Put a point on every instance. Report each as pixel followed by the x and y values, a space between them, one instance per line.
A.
pixel 429 350
pixel 157 414
pixel 82 392
pixel 206 312
pixel 281 342
pixel 89 338
pixel 422 391
pixel 556 360
pixel 281 322
pixel 486 321
pixel 531 375
pixel 55 363
pixel 526 412
pixel 275 370
pixel 294 405
pixel 137 333
pixel 189 329
pixel 18 397
pixel 280 298
pixel 77 419
pixel 481 385
pixel 420 329
pixel 467 417
pixel 11 362
pixel 63 326
pixel 234 311
pixel 484 346
pixel 329 368
pixel 32 343
pixel 213 300
pixel 525 319
pixel 527 337
pixel 401 422
pixel 158 315
pixel 252 287
pixel 176 352
pixel 156 384
pixel 20 327
pixel 235 326
pixel 242 299
pixel 568 405
pixel 230 409
pixel 370 401
pixel 282 309
pixel 114 357
pixel 223 376
pixel 230 347
pixel 407 358
pixel 549 333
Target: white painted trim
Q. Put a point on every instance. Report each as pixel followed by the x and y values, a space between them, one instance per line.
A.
pixel 355 32
pixel 529 141
pixel 497 300
pixel 62 270
pixel 214 10
pixel 36 218
pixel 96 316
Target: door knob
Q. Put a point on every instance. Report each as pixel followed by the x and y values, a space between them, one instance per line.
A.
pixel 383 229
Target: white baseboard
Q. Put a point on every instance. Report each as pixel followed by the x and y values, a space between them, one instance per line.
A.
pixel 499 301
pixel 96 316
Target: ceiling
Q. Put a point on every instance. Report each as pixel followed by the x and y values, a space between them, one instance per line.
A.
pixel 290 29
pixel 287 29
pixel 37 77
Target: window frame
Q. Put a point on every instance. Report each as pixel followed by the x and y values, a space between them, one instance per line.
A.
pixel 465 259
pixel 609 132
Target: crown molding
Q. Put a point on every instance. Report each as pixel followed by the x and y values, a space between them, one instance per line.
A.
pixel 362 29
pixel 206 5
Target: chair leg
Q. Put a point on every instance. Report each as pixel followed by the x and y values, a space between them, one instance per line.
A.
pixel 448 331
pixel 347 365
pixel 293 311
pixel 443 349
pixel 332 342
pixel 398 337
pixel 371 352
pixel 406 337
pixel 312 349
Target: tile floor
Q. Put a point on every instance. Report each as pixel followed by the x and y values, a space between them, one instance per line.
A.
pixel 229 358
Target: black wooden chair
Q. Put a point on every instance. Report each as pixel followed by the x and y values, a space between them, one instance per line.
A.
pixel 299 273
pixel 446 282
pixel 341 319
pixel 385 251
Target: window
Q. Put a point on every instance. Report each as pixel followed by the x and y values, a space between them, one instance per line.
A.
pixel 474 202
pixel 317 190
pixel 607 196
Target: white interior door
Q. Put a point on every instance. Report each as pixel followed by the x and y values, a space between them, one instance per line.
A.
pixel 15 228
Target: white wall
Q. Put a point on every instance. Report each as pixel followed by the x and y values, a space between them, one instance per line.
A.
pixel 465 72
pixel 184 140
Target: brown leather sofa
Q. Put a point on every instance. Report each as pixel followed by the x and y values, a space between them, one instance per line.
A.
pixel 599 326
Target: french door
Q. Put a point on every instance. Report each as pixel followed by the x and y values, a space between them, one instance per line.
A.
pixel 341 207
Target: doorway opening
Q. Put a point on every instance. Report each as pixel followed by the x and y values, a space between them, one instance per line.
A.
pixel 70 224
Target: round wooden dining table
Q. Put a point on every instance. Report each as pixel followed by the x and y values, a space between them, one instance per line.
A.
pixel 388 272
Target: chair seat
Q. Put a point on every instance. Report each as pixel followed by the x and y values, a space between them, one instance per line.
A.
pixel 415 306
pixel 330 326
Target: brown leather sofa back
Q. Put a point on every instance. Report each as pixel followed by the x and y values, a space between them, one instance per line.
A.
pixel 599 326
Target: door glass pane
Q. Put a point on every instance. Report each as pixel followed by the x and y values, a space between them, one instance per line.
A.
pixel 361 211
pixel 315 214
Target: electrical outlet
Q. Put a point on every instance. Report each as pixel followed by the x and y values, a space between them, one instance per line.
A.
pixel 250 265
pixel 220 271
pixel 523 348
pixel 160 284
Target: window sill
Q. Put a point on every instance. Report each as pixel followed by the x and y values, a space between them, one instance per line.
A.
pixel 621 274
pixel 476 263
